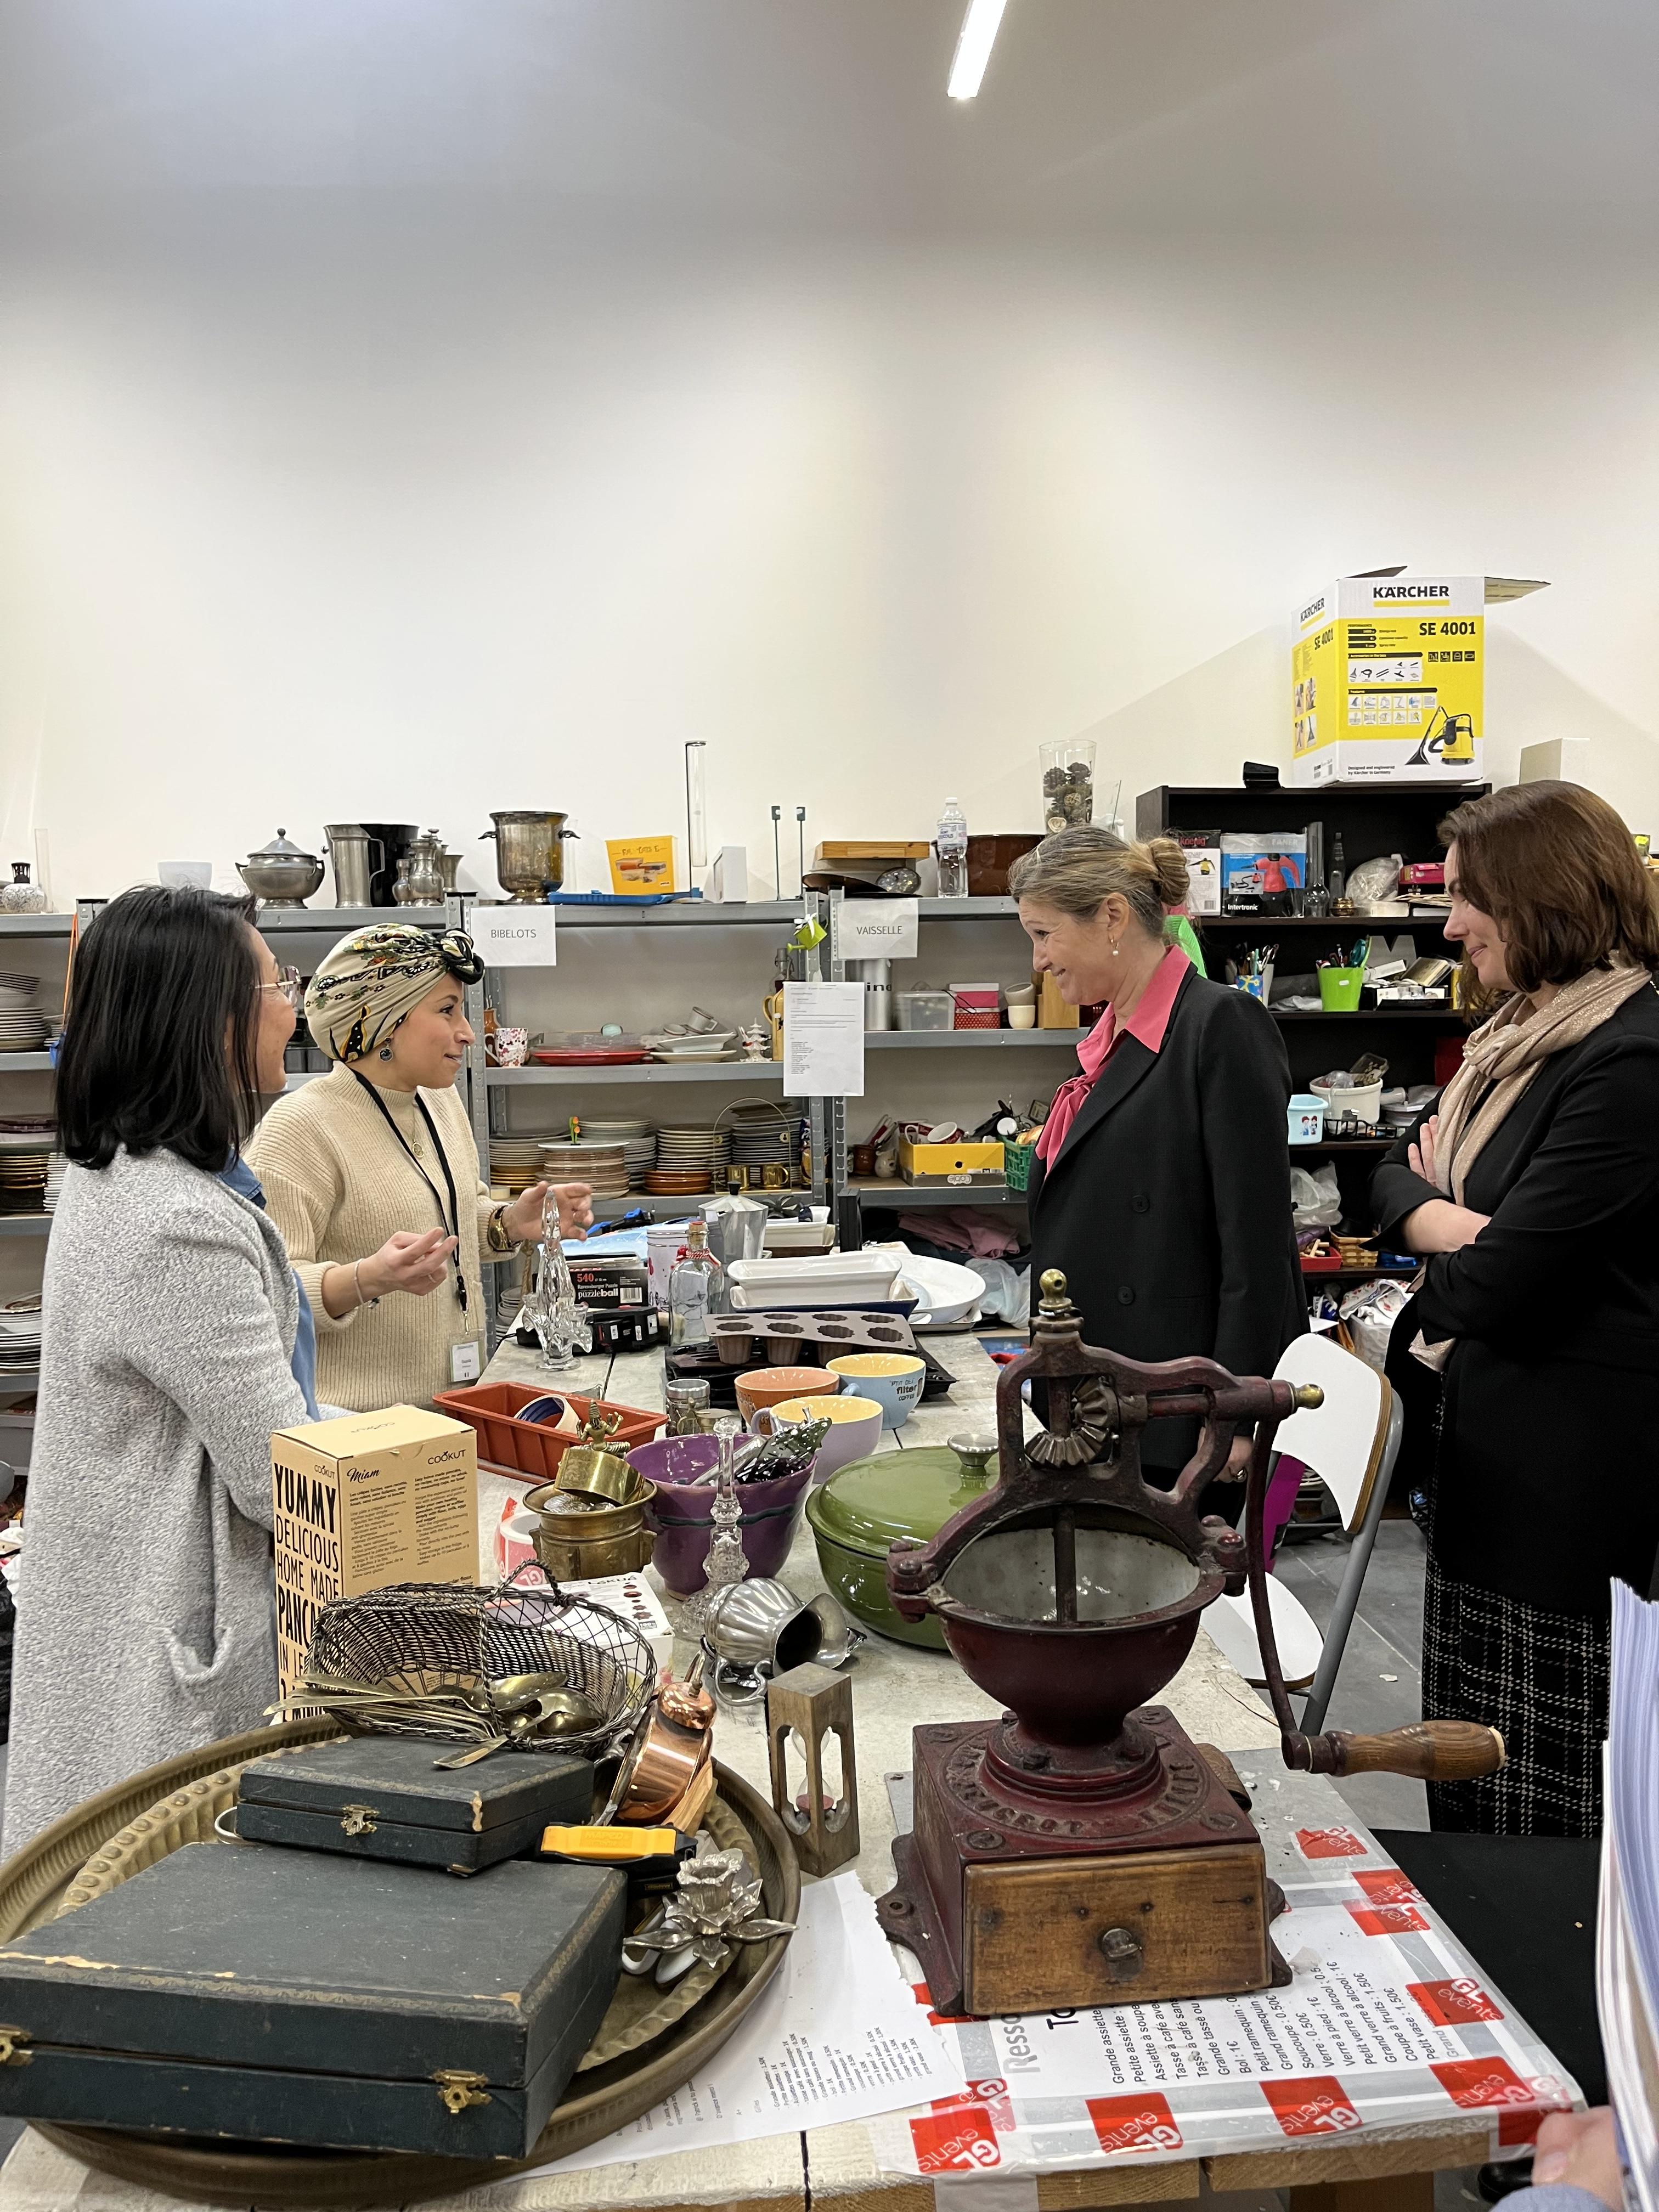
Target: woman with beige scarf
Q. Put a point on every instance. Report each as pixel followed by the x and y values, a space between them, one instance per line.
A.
pixel 1527 1353
pixel 372 1174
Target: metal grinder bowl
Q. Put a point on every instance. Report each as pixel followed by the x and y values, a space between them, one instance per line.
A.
pixel 1071 1683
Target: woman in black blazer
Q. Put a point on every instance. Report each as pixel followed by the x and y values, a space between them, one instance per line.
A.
pixel 1164 1189
pixel 1526 1357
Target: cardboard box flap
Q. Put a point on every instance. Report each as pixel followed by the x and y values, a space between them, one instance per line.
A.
pixel 349 1436
pixel 1499 589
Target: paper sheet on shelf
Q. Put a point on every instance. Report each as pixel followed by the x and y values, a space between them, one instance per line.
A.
pixel 823 1040
pixel 837 2036
pixel 878 929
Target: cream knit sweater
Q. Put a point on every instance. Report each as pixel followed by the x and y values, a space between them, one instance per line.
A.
pixel 337 1184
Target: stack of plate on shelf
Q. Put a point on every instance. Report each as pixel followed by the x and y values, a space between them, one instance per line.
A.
pixel 603 1167
pixel 24 1158
pixel 515 1163
pixel 704 1045
pixel 55 1169
pixel 690 1161
pixel 20 1335
pixel 22 1025
pixel 637 1139
pixel 761 1138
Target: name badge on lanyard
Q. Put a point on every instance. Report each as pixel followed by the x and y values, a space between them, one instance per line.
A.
pixel 463 1363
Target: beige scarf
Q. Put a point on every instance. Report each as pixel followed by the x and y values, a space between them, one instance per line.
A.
pixel 1506 1052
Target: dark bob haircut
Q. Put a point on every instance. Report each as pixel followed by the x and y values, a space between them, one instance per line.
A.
pixel 159 1050
pixel 1559 872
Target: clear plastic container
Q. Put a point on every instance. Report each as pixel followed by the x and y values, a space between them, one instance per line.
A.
pixel 924 1009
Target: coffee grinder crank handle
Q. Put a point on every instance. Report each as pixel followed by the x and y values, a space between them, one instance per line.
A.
pixel 1429 1751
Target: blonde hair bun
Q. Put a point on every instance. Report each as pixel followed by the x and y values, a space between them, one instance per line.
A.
pixel 1075 869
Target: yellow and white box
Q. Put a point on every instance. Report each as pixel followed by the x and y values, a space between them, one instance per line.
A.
pixel 364 1501
pixel 1389 681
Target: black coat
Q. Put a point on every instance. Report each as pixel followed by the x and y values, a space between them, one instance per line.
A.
pixel 1544 1475
pixel 1168 1207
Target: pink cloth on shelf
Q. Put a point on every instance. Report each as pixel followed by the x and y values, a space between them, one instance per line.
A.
pixel 1148 1023
pixel 959 1229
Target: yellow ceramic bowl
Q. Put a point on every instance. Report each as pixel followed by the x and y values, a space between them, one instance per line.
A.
pixel 855 1428
pixel 893 1379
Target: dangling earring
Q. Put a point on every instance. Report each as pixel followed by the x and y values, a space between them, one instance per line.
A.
pixel 1116 949
pixel 385 1049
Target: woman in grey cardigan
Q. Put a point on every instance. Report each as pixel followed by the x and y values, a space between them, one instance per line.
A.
pixel 174 1343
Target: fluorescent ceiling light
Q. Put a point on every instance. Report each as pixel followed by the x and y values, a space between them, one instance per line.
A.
pixel 978 32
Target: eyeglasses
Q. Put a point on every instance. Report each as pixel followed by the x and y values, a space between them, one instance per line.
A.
pixel 290 984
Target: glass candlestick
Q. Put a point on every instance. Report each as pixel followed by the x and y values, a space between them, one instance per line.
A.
pixel 562 1325
pixel 727 1563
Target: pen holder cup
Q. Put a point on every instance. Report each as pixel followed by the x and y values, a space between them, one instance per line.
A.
pixel 1338 989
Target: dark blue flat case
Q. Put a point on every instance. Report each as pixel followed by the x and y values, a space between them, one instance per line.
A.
pixel 381 1797
pixel 297 1997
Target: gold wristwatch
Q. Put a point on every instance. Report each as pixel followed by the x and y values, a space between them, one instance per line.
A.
pixel 495 1234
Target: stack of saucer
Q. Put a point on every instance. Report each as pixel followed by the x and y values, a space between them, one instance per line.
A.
pixel 20 1335
pixel 55 1169
pixel 637 1139
pixel 22 1025
pixel 24 1158
pixel 762 1139
pixel 690 1161
pixel 514 1163
pixel 603 1167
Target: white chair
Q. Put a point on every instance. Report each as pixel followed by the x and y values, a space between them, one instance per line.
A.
pixel 1350 1441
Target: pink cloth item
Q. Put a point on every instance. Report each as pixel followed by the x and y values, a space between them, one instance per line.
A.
pixel 1148 1023
pixel 959 1229
pixel 1280 1503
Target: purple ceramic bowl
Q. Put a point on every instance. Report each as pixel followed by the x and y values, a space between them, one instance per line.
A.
pixel 681 1511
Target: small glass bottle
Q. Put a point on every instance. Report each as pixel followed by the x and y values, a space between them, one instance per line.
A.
pixel 20 895
pixel 691 1290
pixel 686 1402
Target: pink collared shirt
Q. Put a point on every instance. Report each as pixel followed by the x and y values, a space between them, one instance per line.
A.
pixel 1147 1024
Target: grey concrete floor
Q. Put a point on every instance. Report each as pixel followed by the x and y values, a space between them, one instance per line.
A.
pixel 1380 1684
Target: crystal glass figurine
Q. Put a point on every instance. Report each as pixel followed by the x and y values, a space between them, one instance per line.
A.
pixel 727 1563
pixel 561 1326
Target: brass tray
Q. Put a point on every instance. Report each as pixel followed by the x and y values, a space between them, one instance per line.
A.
pixel 637 2014
pixel 35 1881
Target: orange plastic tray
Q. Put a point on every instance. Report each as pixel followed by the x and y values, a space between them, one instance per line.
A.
pixel 491 1409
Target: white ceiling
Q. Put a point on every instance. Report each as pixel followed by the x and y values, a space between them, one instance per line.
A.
pixel 1296 117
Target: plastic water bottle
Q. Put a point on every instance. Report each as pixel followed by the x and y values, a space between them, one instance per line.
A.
pixel 950 844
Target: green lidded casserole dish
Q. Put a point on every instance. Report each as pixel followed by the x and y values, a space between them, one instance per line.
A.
pixel 865 1504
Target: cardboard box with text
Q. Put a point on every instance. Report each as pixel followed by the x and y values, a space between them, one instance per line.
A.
pixel 365 1501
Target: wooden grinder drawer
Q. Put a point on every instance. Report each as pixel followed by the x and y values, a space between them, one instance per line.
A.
pixel 1194 1924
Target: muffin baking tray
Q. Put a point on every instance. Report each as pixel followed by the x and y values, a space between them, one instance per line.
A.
pixel 808 1338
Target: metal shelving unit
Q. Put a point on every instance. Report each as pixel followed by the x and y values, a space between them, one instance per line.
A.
pixel 639 1071
pixel 972 1040
pixel 25 1224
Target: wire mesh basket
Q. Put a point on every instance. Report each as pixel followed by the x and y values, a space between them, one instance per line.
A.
pixel 426 1653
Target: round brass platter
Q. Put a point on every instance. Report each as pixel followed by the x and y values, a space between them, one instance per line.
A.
pixel 604 2096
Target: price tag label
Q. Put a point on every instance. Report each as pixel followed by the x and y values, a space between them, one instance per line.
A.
pixel 516 936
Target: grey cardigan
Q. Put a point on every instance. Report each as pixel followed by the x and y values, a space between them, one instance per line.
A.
pixel 144 1599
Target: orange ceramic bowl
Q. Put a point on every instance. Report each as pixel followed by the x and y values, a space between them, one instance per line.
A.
pixel 771 1386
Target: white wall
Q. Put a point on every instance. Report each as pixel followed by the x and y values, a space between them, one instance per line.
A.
pixel 322 494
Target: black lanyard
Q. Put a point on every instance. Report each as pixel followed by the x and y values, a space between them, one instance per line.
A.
pixel 451 1220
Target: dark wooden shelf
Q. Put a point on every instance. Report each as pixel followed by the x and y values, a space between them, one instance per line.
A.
pixel 1357 1275
pixel 1347 925
pixel 1372 1014
pixel 1335 1146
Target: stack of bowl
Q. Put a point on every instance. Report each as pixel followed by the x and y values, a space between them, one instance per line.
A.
pixel 22 1025
pixel 690 1161
pixel 681 1473
pixel 515 1164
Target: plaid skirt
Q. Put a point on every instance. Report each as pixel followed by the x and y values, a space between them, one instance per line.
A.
pixel 1540 1679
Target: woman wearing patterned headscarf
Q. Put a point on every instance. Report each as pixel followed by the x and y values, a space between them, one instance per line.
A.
pixel 372 1174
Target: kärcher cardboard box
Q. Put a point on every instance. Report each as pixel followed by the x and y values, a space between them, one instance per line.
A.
pixel 1388 679
pixel 365 1501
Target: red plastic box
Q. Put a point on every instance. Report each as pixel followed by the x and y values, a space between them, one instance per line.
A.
pixel 491 1409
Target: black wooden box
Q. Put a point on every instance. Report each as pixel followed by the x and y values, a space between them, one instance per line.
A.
pixel 381 1797
pixel 287 1996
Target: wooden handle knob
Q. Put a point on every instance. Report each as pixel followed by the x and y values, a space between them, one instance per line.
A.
pixel 1431 1751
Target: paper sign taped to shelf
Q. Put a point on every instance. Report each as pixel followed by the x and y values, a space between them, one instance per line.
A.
pixel 516 936
pixel 823 1040
pixel 878 929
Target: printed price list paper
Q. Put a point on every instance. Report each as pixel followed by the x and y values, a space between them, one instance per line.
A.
pixel 823 1040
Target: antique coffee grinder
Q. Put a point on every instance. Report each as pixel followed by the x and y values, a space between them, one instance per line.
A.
pixel 1083 1850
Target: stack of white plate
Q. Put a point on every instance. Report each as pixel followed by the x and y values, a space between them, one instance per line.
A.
pixel 688 1162
pixel 56 1167
pixel 515 1163
pixel 760 1139
pixel 20 1335
pixel 603 1167
pixel 22 1025
pixel 637 1139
